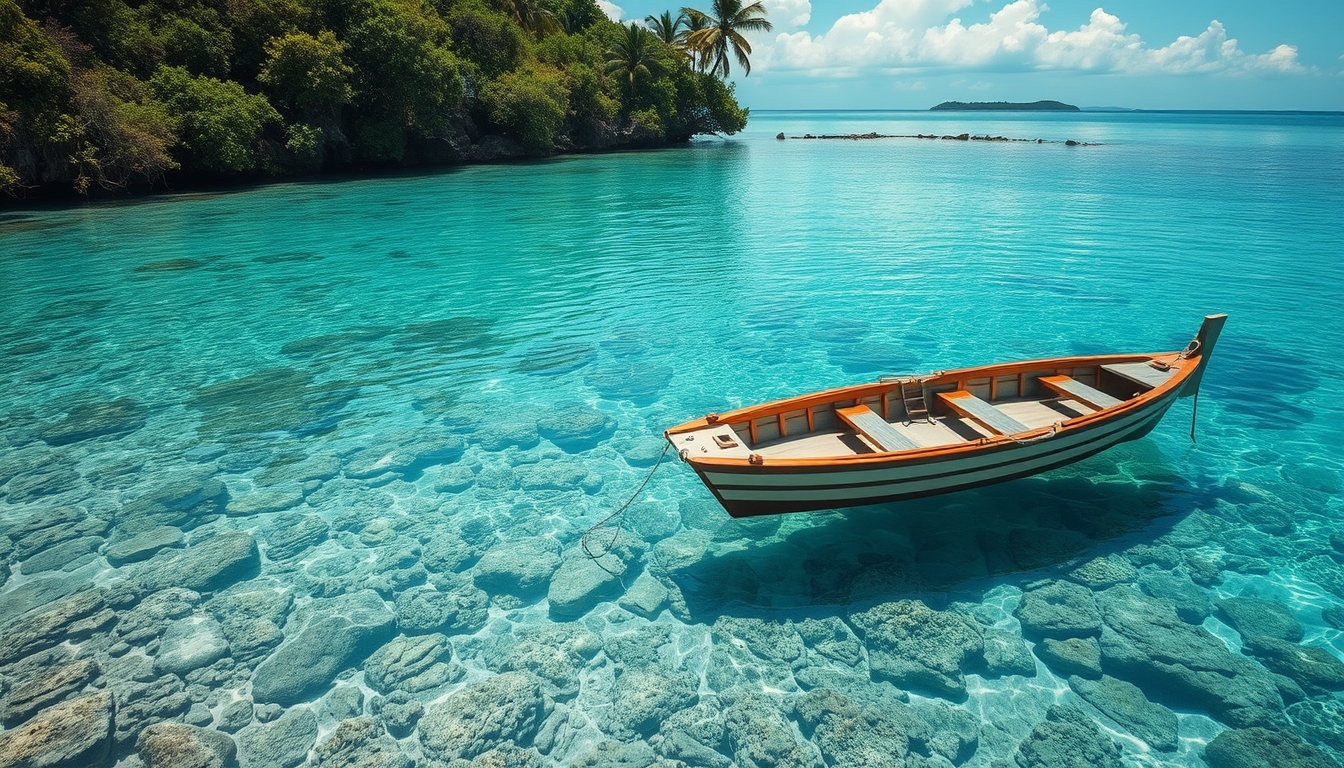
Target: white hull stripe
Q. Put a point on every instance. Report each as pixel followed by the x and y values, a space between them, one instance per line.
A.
pixel 916 485
pixel 1011 457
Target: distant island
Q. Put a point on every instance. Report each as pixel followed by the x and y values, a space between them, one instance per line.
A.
pixel 1004 106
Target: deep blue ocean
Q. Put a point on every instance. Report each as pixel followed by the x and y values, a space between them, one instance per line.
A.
pixel 309 463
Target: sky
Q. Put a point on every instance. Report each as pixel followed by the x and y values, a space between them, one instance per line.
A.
pixel 1139 54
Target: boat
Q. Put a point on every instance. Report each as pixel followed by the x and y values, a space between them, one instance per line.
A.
pixel 906 437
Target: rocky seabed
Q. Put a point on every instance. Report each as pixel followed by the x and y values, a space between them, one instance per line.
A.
pixel 426 603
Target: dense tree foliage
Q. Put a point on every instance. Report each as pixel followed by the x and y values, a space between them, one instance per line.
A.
pixel 122 93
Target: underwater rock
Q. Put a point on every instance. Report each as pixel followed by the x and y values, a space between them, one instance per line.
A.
pixel 1102 572
pixel 283 743
pixel 117 418
pixel 445 551
pixel 51 527
pixel 1146 643
pixel 912 645
pixel 361 742
pixel 769 639
pixel 1192 601
pixel 1125 704
pixel 47 481
pixel 251 620
pixel 1315 669
pixel 1075 656
pixel 653 520
pixel 1321 722
pixel 71 618
pixel 760 737
pixel 1067 738
pixel 575 428
pixel 399 712
pixel 615 754
pixel 73 734
pixel 646 597
pixel 189 644
pixel 1007 654
pixel 639 382
pixel 143 546
pixel 495 436
pixel 184 501
pixel 235 716
pixel 146 700
pixel 412 664
pixel 292 534
pixel 553 653
pixel 451 479
pixel 1258 747
pixel 832 640
pixel 581 582
pixel 50 680
pixel 67 555
pixel 953 732
pixel 265 500
pixel 350 628
pixel 519 568
pixel 460 608
pixel 1253 617
pixel 343 703
pixel 1059 609
pixel 694 736
pixel 152 614
pixel 641 451
pixel 175 745
pixel 644 697
pixel 482 716
pixel 204 566
pixel 549 475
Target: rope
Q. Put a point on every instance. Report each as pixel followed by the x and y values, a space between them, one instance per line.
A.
pixel 620 525
pixel 1030 440
pixel 1194 411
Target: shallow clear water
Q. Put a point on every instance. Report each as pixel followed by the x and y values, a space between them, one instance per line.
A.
pixel 441 380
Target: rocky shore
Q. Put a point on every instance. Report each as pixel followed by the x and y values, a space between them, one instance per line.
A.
pixel 945 137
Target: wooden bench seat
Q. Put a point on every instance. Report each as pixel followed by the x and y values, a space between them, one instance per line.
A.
pixel 1142 374
pixel 866 422
pixel 1070 387
pixel 982 413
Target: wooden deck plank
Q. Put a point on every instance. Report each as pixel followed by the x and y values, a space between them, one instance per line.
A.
pixel 1070 387
pixel 866 422
pixel 972 407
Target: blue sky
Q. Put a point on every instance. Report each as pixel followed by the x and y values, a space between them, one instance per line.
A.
pixel 1145 54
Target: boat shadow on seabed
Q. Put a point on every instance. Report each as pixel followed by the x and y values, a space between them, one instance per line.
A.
pixel 929 548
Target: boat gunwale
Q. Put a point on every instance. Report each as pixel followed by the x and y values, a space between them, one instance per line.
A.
pixel 992 443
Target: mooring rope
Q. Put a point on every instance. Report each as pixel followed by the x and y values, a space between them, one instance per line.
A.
pixel 620 525
pixel 1029 440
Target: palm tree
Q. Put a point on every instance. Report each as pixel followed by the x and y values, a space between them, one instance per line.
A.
pixel 632 55
pixel 695 21
pixel 533 17
pixel 669 30
pixel 723 32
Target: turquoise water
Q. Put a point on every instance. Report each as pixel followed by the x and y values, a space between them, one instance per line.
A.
pixel 415 394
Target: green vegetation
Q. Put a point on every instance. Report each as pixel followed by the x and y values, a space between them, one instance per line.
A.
pixel 125 94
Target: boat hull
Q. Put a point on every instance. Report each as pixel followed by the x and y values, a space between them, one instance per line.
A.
pixel 764 490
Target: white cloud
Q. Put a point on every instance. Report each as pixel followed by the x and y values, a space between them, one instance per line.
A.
pixel 613 11
pixel 788 14
pixel 917 35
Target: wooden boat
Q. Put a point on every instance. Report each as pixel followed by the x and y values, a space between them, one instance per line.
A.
pixel 907 437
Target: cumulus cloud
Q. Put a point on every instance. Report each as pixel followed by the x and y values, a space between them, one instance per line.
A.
pixel 917 35
pixel 613 11
pixel 788 14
